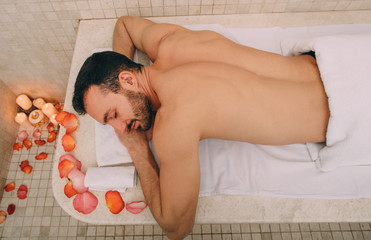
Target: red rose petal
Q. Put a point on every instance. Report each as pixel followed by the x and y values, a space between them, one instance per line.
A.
pixel 2 216
pixel 60 116
pixel 40 142
pixel 24 163
pixel 41 156
pixel 70 123
pixel 68 190
pixel 68 143
pixel 64 168
pixel 50 127
pixel 22 192
pixel 136 207
pixel 85 202
pixel 77 178
pixel 58 106
pixel 17 146
pixel 114 202
pixel 70 158
pixel 11 209
pixel 9 187
pixel 27 143
pixel 52 136
pixel 27 169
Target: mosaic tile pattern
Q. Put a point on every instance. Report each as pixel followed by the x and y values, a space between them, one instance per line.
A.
pixel 38 36
pixel 40 217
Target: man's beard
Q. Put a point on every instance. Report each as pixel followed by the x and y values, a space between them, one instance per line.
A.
pixel 141 109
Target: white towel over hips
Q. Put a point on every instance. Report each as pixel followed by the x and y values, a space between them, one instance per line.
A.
pixel 344 62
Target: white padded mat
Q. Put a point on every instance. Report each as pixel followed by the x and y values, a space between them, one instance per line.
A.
pixel 241 168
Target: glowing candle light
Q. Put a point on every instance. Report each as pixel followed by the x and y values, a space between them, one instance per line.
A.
pixel 22 119
pixel 24 102
pixel 52 119
pixel 39 103
pixel 49 110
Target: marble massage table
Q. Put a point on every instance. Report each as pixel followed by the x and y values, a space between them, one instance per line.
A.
pixel 270 191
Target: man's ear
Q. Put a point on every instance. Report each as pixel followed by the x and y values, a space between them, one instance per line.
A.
pixel 128 80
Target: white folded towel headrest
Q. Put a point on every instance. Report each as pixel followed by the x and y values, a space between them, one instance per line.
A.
pixel 110 178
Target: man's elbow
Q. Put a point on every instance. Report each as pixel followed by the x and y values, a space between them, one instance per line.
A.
pixel 180 233
pixel 178 229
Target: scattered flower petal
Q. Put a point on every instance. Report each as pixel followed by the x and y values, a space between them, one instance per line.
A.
pixel 17 146
pixel 50 127
pixel 136 207
pixel 70 123
pixel 9 187
pixel 22 135
pixel 27 143
pixel 64 168
pixel 58 106
pixel 40 142
pixel 22 192
pixel 24 163
pixel 11 209
pixel 52 136
pixel 85 202
pixel 25 167
pixel 70 158
pixel 68 190
pixel 60 116
pixel 36 133
pixel 114 202
pixel 2 216
pixel 68 143
pixel 77 178
pixel 41 156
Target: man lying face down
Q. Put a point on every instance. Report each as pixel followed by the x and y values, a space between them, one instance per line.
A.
pixel 201 85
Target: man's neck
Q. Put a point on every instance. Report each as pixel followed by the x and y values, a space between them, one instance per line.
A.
pixel 145 85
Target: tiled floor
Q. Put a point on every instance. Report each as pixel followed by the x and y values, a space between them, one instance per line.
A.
pixel 40 217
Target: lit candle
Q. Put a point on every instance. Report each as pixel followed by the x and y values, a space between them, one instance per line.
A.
pixel 49 109
pixel 37 118
pixel 39 103
pixel 22 119
pixel 24 102
pixel 52 119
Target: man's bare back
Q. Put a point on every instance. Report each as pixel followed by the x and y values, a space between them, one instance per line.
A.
pixel 252 96
pixel 202 85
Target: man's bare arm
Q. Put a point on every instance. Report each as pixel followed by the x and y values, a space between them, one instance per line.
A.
pixel 140 33
pixel 172 197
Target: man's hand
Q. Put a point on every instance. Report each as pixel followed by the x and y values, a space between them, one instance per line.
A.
pixel 135 141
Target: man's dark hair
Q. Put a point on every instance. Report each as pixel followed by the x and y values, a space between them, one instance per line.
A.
pixel 101 69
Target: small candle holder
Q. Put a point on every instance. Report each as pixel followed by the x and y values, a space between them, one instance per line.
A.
pixel 37 118
pixel 49 110
pixel 22 119
pixel 39 103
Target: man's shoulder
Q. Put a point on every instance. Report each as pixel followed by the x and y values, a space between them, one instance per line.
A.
pixel 173 134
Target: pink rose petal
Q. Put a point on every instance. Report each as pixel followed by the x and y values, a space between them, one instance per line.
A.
pixel 36 133
pixel 22 135
pixel 85 202
pixel 22 192
pixel 70 158
pixel 77 178
pixel 65 167
pixel 136 207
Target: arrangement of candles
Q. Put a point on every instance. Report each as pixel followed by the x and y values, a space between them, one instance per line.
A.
pixel 38 115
